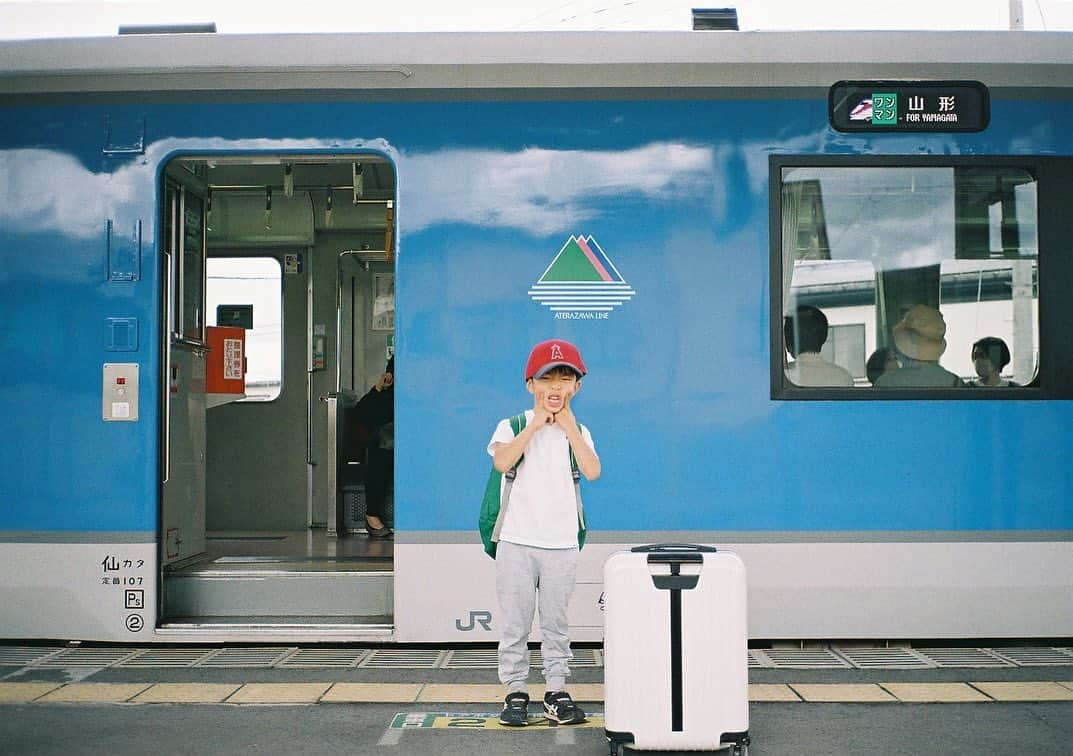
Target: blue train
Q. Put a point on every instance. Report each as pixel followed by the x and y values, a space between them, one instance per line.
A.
pixel 820 282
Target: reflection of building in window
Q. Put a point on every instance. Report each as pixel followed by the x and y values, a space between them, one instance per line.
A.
pixel 866 244
pixel 846 347
pixel 256 281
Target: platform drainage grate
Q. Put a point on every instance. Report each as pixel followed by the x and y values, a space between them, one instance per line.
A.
pixel 885 658
pixel 24 656
pixel 400 658
pixel 804 658
pixel 478 658
pixel 166 657
pixel 245 658
pixel 87 657
pixel 963 657
pixel 309 658
pixel 393 658
pixel 1034 657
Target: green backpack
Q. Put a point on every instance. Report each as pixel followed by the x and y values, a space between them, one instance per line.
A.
pixel 494 506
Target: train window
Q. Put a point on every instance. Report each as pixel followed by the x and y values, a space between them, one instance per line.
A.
pixel 255 281
pixel 909 277
pixel 184 244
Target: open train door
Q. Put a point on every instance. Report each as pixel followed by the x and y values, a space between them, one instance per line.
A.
pixel 262 525
pixel 183 399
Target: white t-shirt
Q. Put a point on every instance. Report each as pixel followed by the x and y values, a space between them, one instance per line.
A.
pixel 543 509
pixel 810 369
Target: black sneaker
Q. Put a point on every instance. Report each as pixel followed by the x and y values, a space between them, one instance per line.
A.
pixel 560 707
pixel 515 711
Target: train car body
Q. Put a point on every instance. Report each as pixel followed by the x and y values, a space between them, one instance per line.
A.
pixel 662 200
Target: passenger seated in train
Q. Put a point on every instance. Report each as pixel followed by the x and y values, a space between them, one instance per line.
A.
pixel 882 360
pixel 920 339
pixel 805 333
pixel 377 411
pixel 989 355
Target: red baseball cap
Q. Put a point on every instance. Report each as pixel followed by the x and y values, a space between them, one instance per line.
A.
pixel 553 353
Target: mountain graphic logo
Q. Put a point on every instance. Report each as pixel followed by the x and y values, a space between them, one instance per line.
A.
pixel 581 280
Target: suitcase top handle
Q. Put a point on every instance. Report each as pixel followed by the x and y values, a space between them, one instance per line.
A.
pixel 674 553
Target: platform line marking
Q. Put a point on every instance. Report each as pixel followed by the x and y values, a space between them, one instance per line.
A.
pixel 178 693
pixel 953 692
pixel 25 692
pixel 1025 691
pixel 842 693
pixel 75 691
pixel 90 692
pixel 772 692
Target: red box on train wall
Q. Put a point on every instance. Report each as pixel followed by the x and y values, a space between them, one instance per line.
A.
pixel 225 372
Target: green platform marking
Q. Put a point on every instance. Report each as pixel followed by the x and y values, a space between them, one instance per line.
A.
pixel 440 720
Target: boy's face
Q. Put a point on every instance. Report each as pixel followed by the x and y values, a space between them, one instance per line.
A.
pixel 554 389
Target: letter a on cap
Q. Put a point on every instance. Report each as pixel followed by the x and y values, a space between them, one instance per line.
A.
pixel 556 352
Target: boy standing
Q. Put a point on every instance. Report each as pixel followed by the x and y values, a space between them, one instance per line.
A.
pixel 539 528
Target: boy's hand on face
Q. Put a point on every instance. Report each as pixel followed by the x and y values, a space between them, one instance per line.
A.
pixel 565 416
pixel 541 415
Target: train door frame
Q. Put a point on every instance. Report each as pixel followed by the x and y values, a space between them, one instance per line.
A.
pixel 174 172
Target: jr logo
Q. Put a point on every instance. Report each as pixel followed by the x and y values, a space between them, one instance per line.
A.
pixel 482 618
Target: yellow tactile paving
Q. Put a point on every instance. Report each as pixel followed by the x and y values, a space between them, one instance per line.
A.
pixel 187 693
pixel 311 693
pixel 588 692
pixel 94 693
pixel 934 692
pixel 372 693
pixel 763 692
pixel 22 692
pixel 842 693
pixel 292 693
pixel 1025 691
pixel 447 693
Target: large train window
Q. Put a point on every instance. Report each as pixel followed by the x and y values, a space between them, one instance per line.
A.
pixel 907 277
pixel 256 282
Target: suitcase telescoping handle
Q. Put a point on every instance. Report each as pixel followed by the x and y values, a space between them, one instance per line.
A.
pixel 675 554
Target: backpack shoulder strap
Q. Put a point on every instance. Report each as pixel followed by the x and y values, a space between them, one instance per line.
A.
pixel 517 424
pixel 576 475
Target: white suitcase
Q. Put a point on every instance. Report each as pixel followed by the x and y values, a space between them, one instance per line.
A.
pixel 675 650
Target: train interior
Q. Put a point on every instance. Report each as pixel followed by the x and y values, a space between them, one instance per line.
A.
pixel 278 280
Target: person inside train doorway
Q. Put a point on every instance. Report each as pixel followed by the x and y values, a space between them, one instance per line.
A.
pixel 376 410
pixel 539 528
pixel 805 333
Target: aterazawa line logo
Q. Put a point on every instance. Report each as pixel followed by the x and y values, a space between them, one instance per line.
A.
pixel 581 283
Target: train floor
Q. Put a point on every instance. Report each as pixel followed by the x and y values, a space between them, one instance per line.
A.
pixel 318 699
pixel 254 579
pixel 313 548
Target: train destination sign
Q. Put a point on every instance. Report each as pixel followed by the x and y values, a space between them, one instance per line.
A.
pixel 865 106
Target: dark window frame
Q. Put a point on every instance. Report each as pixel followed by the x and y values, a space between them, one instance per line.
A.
pixel 1054 177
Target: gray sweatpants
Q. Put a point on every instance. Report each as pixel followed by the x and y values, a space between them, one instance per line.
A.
pixel 527 576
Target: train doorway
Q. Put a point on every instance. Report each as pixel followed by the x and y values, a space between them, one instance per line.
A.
pixel 278 270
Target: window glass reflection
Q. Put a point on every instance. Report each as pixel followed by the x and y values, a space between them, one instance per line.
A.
pixel 899 273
